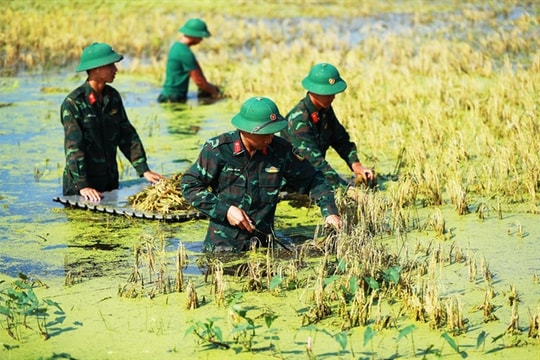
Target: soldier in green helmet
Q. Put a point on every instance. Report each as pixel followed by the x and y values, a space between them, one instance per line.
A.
pixel 95 125
pixel 182 65
pixel 313 126
pixel 238 175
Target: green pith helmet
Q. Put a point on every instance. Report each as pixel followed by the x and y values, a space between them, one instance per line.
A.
pixel 195 28
pixel 324 79
pixel 260 116
pixel 96 55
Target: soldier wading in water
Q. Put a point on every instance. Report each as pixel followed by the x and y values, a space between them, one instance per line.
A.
pixel 238 175
pixel 95 125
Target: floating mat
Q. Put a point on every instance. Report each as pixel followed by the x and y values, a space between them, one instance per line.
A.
pixel 116 203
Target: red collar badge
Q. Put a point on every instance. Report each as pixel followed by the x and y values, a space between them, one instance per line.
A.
pixel 315 117
pixel 92 98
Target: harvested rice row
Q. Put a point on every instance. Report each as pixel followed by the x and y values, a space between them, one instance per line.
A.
pixel 163 197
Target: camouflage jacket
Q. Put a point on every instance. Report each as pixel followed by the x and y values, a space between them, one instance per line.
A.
pixel 93 130
pixel 312 132
pixel 225 175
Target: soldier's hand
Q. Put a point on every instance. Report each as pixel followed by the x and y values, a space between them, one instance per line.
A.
pixel 90 194
pixel 152 176
pixel 333 221
pixel 216 93
pixel 238 217
pixel 363 173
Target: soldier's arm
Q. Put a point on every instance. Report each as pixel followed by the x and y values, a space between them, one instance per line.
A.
pixel 303 138
pixel 304 178
pixel 347 150
pixel 73 143
pixel 341 142
pixel 199 79
pixel 131 144
pixel 196 186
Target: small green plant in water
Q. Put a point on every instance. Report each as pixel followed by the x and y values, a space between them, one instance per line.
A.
pixel 269 317
pixel 454 345
pixel 403 333
pixel 19 304
pixel 243 326
pixel 481 340
pixel 208 332
pixel 368 337
pixel 341 338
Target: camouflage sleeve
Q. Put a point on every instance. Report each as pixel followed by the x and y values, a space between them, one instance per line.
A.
pixel 302 138
pixel 130 143
pixel 304 178
pixel 73 143
pixel 342 143
pixel 197 184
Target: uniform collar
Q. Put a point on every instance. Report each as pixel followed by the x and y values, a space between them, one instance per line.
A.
pixel 314 114
pixel 238 146
pixel 92 96
pixel 309 104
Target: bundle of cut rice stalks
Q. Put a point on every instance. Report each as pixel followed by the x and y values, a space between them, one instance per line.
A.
pixel 164 197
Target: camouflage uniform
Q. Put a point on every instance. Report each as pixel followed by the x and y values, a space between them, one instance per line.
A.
pixel 93 130
pixel 225 175
pixel 312 133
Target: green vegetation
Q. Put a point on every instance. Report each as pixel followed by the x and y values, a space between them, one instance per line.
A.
pixel 442 99
pixel 464 90
pixel 19 305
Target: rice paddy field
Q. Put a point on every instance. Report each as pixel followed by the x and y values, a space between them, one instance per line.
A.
pixel 440 260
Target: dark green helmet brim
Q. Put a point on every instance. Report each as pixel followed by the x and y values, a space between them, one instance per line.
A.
pixel 97 55
pixel 260 116
pixel 324 79
pixel 195 28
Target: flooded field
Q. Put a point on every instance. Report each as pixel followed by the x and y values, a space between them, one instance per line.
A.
pixel 466 288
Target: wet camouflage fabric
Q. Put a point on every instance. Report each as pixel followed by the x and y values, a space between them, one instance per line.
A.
pixel 224 175
pixel 93 131
pixel 313 133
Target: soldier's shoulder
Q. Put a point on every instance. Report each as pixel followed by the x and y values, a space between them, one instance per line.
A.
pixel 220 140
pixel 281 146
pixel 281 142
pixel 76 93
pixel 113 94
pixel 297 111
pixel 284 148
pixel 111 90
